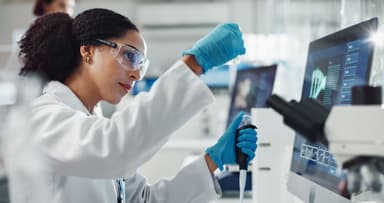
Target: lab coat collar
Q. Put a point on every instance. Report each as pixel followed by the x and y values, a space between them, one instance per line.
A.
pixel 65 95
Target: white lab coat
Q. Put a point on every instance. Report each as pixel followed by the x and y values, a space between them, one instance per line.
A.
pixel 87 152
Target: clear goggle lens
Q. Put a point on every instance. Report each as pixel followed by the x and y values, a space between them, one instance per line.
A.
pixel 128 57
pixel 131 59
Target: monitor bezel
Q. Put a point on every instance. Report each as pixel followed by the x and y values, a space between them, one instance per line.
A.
pixel 304 188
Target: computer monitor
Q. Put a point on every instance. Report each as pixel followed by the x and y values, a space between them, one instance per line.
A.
pixel 335 63
pixel 252 87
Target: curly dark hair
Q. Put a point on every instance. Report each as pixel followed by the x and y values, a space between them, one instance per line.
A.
pixel 51 46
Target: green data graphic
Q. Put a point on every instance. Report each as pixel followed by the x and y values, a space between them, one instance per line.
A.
pixel 318 83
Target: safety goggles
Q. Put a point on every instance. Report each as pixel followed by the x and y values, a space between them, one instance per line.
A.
pixel 128 56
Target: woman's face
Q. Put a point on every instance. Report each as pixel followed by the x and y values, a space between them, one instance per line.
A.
pixel 112 80
pixel 64 6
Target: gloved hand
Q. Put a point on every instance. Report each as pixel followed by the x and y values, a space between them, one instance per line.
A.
pixel 224 151
pixel 217 47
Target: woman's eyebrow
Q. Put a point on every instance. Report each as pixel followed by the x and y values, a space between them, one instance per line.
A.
pixel 132 47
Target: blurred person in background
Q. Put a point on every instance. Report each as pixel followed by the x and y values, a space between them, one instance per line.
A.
pixel 13 64
pixel 40 8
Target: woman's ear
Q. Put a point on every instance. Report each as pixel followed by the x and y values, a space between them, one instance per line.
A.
pixel 87 52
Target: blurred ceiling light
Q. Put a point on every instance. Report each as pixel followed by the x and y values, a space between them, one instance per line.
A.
pixel 377 38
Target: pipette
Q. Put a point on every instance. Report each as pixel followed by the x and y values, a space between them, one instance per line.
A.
pixel 241 157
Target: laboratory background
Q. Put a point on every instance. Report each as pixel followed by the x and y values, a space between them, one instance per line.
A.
pixel 282 48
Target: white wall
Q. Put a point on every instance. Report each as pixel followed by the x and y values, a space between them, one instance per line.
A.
pixel 14 16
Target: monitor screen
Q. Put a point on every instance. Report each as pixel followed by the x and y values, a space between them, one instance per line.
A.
pixel 331 72
pixel 335 63
pixel 252 87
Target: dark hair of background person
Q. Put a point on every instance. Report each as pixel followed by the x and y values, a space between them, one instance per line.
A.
pixel 38 8
pixel 51 45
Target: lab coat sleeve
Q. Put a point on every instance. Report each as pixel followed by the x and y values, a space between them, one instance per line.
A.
pixel 89 146
pixel 193 183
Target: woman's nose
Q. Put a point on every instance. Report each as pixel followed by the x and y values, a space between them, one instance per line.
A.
pixel 134 75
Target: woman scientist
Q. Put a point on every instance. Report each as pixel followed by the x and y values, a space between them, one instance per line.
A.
pixel 97 56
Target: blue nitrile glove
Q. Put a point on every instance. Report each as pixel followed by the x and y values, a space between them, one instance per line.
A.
pixel 224 151
pixel 217 47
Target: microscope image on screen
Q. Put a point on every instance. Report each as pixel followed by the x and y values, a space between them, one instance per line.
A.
pixel 318 83
pixel 251 92
pixel 325 80
pixel 252 88
pixel 244 94
pixel 331 72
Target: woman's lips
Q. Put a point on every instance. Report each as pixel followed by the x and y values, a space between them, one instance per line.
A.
pixel 126 87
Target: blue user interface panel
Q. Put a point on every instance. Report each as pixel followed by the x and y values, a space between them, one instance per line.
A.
pixel 335 64
pixel 253 86
pixel 331 73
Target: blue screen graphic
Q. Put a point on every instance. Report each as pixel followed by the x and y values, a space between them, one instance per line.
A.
pixel 331 73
